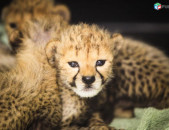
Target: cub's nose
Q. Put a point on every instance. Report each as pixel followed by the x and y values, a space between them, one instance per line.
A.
pixel 88 79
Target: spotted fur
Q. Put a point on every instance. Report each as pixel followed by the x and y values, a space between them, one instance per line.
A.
pixel 141 76
pixel 28 91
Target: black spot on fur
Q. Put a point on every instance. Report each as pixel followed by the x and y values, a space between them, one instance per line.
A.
pixel 126 58
pixel 9 107
pixel 146 66
pixel 10 114
pixel 140 76
pixel 142 83
pixel 118 64
pixel 16 107
pixel 138 63
pixel 6 118
pixel 159 72
pixel 154 80
pixel 147 73
pixel 140 69
pixel 154 66
pixel 7 98
pixel 133 83
pixel 129 79
pixel 132 73
pixel 147 81
pixel 122 71
pixel 130 64
pixel 141 89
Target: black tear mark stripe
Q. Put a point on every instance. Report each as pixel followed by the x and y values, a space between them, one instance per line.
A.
pixel 100 76
pixel 74 78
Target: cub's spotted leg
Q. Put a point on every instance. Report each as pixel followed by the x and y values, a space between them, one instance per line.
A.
pixel 124 109
pixel 124 112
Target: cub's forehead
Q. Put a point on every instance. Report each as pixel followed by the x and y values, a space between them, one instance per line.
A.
pixel 84 36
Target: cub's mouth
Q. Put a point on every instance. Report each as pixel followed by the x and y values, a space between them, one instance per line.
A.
pixel 87 88
pixel 87 91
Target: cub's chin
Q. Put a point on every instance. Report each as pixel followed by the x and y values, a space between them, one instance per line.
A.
pixel 87 92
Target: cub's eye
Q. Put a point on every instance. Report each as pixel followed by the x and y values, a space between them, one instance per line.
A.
pixel 100 62
pixel 12 25
pixel 73 64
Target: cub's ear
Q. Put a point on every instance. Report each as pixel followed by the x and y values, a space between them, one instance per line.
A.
pixel 51 50
pixel 117 40
pixel 63 11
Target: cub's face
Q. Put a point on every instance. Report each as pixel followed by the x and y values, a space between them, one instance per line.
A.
pixel 14 23
pixel 83 58
pixel 85 69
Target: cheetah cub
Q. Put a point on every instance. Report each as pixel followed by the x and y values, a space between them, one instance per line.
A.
pixel 95 69
pixel 28 91
pixel 83 58
pixel 19 12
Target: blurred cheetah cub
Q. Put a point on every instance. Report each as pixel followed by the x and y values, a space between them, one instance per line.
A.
pixel 19 12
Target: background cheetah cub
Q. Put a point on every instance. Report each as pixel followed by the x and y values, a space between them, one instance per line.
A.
pixel 20 11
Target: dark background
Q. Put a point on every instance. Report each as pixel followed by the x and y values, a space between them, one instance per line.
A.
pixel 132 18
